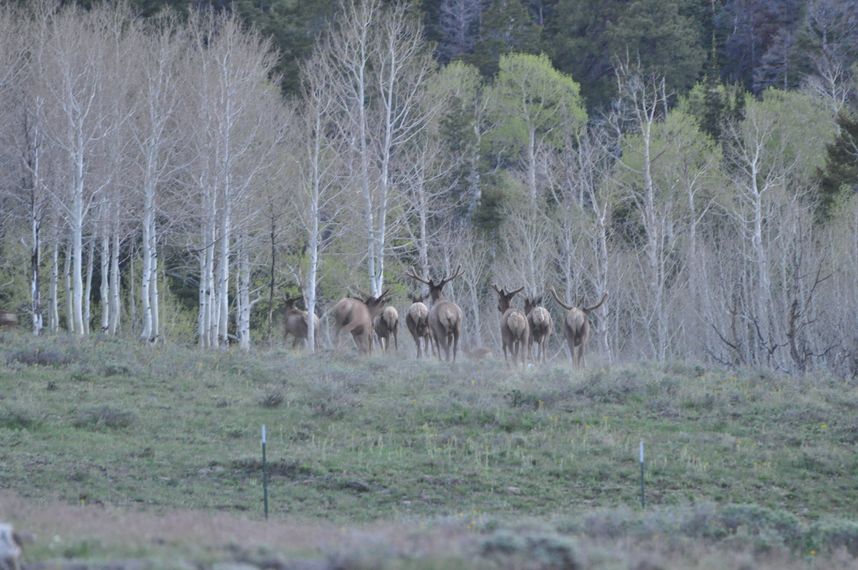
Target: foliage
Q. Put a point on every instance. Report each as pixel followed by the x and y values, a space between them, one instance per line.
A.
pixel 530 99
pixel 505 27
pixel 840 175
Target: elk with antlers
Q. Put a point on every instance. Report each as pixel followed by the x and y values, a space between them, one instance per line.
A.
pixel 515 331
pixel 356 316
pixel 417 321
pixel 577 327
pixel 541 324
pixel 296 323
pixel 445 317
pixel 386 325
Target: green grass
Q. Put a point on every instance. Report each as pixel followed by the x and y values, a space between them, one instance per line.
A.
pixel 354 440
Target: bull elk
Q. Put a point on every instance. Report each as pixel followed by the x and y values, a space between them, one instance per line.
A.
pixel 515 331
pixel 541 324
pixel 417 321
pixel 386 325
pixel 296 323
pixel 356 316
pixel 577 327
pixel 445 317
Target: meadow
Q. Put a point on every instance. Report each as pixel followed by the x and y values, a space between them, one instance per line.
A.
pixel 115 451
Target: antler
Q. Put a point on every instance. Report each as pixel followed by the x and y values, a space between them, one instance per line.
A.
pixel 597 305
pixel 559 302
pixel 498 291
pixel 457 273
pixel 516 292
pixel 413 275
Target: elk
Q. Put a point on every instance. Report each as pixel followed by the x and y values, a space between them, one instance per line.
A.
pixel 8 319
pixel 541 324
pixel 386 325
pixel 356 316
pixel 296 323
pixel 515 331
pixel 577 328
pixel 417 321
pixel 10 547
pixel 445 317
pixel 478 353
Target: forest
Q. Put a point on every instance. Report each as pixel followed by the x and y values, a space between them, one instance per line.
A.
pixel 173 170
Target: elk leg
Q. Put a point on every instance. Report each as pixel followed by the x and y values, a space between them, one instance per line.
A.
pixel 455 346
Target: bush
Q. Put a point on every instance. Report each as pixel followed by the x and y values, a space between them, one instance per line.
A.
pixel 543 551
pixel 19 417
pixel 831 535
pixel 104 417
pixel 38 357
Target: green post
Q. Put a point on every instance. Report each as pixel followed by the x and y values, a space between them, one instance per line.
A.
pixel 264 475
pixel 643 495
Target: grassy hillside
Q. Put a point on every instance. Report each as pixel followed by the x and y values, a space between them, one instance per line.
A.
pixel 108 422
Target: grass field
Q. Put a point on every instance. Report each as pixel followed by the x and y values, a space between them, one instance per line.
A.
pixel 382 462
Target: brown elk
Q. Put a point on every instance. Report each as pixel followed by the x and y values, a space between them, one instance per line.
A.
pixel 417 321
pixel 296 323
pixel 445 317
pixel 541 325
pixel 8 319
pixel 577 327
pixel 386 325
pixel 356 316
pixel 478 353
pixel 515 331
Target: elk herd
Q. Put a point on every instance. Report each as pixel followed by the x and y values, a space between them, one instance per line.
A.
pixel 437 327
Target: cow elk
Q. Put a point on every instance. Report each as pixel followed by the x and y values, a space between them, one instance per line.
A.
pixel 541 325
pixel 8 319
pixel 386 325
pixel 445 317
pixel 576 328
pixel 417 321
pixel 355 316
pixel 515 331
pixel 296 324
pixel 478 353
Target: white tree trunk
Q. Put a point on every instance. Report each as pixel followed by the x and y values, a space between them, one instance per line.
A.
pixel 104 285
pixel 35 264
pixel 154 295
pixel 87 288
pixel 67 269
pixel 115 285
pixel 76 300
pixel 54 309
pixel 146 271
pixel 244 306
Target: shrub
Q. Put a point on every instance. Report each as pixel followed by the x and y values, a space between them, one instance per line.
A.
pixel 543 551
pixel 38 357
pixel 13 416
pixel 831 535
pixel 272 399
pixel 104 417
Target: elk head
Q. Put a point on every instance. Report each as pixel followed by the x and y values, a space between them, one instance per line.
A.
pixel 376 304
pixel 289 302
pixel 435 287
pixel 505 298
pixel 417 297
pixel 532 303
